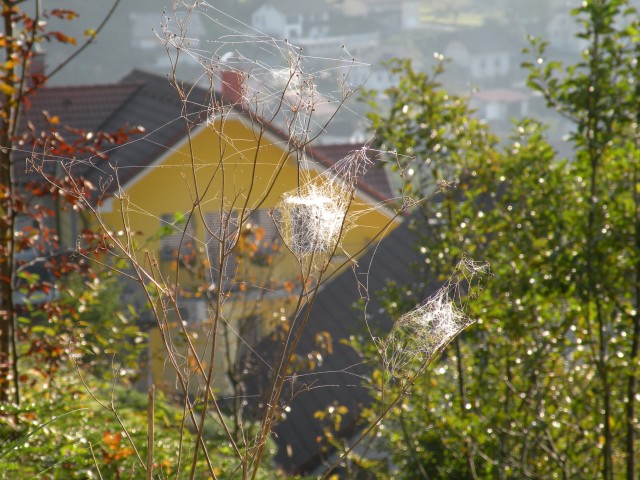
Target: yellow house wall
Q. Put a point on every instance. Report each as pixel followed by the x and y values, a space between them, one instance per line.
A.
pixel 174 184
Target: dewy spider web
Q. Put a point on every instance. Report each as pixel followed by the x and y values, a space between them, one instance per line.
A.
pixel 421 333
pixel 314 217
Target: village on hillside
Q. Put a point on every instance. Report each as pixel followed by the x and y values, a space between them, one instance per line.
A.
pixel 482 44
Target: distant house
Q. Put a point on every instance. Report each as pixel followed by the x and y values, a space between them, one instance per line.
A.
pixel 331 45
pixel 403 14
pixel 292 19
pixel 485 53
pixel 317 27
pixel 500 104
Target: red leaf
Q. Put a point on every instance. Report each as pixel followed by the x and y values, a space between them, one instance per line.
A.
pixel 61 37
pixel 64 14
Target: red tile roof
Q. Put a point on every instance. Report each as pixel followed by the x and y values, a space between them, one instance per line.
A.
pixel 86 106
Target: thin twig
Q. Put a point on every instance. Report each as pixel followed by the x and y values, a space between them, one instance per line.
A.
pixel 150 432
pixel 95 461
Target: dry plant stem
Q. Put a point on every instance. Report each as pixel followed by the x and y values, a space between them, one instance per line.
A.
pixel 163 325
pixel 181 441
pixel 219 167
pixel 222 261
pixel 95 461
pixel 252 177
pixel 276 386
pixel 178 88
pixel 259 137
pixel 140 277
pixel 403 392
pixel 123 426
pixel 232 372
pixel 163 328
pixel 278 383
pixel 286 358
pixel 150 433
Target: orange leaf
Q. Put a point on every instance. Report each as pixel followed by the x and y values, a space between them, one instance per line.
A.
pixel 61 37
pixel 111 440
pixel 64 14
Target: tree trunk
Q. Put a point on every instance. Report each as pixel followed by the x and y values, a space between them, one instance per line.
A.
pixel 7 217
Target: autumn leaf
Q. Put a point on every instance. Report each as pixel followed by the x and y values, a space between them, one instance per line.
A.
pixel 64 14
pixel 61 37
pixel 6 89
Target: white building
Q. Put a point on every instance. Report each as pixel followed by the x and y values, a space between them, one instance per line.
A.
pixel 485 53
pixel 292 19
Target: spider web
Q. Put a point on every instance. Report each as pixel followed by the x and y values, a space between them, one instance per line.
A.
pixel 420 334
pixel 313 217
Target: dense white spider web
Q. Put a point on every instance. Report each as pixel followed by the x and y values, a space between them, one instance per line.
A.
pixel 420 334
pixel 313 217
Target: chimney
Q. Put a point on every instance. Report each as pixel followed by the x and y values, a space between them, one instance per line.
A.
pixel 232 86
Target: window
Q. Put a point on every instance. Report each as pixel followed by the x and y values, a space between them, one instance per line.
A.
pixel 255 247
pixel 177 239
